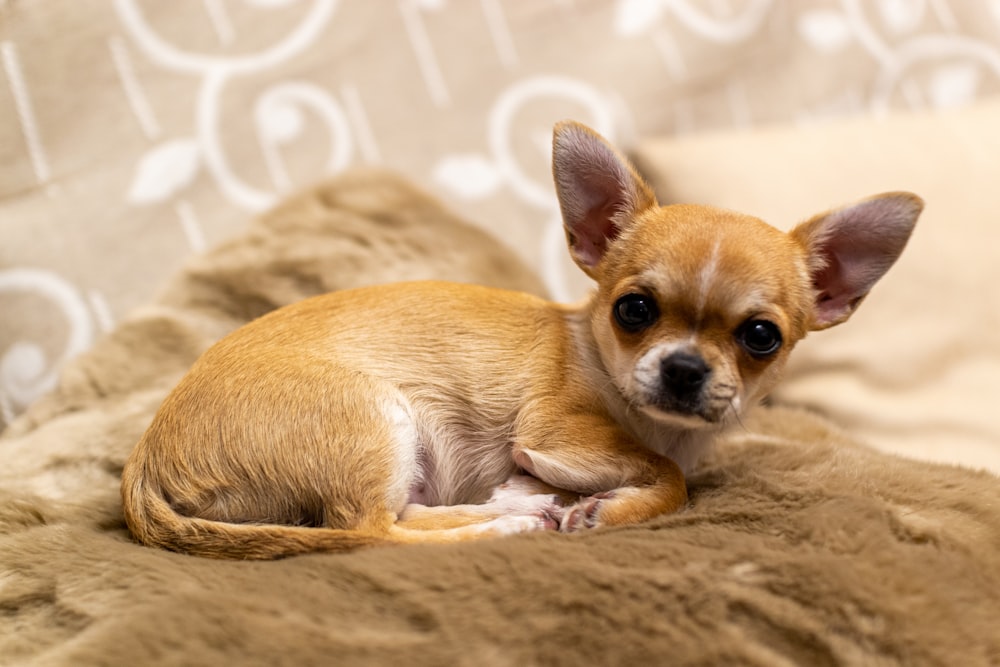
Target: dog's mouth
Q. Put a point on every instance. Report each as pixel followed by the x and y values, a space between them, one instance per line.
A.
pixel 710 408
pixel 688 416
pixel 678 387
pixel 683 419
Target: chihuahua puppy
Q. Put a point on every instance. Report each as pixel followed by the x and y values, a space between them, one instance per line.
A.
pixel 437 412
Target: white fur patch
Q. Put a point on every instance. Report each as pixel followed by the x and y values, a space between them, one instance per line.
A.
pixel 707 277
pixel 406 441
pixel 523 504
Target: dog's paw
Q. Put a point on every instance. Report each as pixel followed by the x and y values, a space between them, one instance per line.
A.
pixel 585 513
pixel 522 523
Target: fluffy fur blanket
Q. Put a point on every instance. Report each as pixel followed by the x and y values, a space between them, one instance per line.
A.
pixel 798 547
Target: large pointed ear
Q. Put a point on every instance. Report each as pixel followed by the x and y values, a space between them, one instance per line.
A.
pixel 851 248
pixel 599 192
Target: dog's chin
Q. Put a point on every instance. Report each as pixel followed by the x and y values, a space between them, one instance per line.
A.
pixel 686 420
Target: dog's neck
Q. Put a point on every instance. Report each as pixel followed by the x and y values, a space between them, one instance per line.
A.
pixel 684 445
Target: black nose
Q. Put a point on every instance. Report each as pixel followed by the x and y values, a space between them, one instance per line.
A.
pixel 684 373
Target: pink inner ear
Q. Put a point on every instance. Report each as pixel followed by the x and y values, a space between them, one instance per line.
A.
pixel 837 291
pixel 853 248
pixel 589 240
pixel 593 189
pixel 597 189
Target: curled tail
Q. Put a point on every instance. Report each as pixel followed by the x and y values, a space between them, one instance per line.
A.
pixel 153 522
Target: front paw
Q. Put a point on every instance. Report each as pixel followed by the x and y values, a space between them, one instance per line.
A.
pixel 584 514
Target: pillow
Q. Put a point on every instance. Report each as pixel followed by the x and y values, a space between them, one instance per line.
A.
pixel 916 371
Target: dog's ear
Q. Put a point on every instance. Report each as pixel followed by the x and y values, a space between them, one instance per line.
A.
pixel 599 192
pixel 851 248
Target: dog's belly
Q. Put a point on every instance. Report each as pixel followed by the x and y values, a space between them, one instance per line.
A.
pixel 459 463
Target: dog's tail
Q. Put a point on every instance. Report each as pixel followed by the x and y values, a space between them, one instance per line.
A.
pixel 153 522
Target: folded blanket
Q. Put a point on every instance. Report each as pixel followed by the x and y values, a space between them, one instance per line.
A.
pixel 798 547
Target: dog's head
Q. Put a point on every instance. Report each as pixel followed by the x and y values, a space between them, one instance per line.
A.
pixel 697 308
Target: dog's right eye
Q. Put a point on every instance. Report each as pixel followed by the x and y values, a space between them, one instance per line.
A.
pixel 635 312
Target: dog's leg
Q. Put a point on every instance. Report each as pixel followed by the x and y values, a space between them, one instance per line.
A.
pixel 622 481
pixel 462 525
pixel 520 495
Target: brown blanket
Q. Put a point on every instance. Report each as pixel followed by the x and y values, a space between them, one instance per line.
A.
pixel 799 546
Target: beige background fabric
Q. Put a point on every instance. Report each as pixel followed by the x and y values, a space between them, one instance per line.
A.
pixel 136 133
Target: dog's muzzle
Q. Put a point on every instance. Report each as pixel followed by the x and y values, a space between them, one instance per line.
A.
pixel 684 383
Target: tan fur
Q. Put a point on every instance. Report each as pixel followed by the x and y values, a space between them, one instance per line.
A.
pixel 393 413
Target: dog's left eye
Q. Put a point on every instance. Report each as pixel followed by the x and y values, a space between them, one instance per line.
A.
pixel 635 312
pixel 759 337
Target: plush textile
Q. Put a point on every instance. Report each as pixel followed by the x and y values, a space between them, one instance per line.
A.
pixel 799 547
pixel 917 370
pixel 135 133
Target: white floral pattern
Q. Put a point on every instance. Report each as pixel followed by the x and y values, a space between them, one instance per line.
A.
pixel 25 369
pixel 181 119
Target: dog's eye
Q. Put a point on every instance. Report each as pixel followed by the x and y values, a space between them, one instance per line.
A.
pixel 635 312
pixel 759 337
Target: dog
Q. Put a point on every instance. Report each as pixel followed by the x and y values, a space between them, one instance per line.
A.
pixel 432 412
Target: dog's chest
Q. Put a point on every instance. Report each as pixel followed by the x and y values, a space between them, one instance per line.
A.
pixel 683 447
